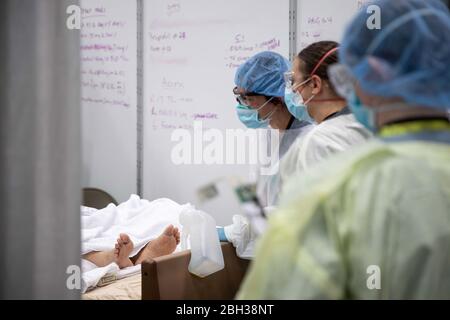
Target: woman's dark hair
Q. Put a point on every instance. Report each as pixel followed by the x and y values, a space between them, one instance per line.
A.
pixel 313 53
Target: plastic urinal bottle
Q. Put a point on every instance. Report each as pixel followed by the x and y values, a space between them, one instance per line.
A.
pixel 206 253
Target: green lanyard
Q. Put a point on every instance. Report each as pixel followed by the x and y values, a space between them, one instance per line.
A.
pixel 412 127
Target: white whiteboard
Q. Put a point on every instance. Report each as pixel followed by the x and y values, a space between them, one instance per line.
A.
pixel 192 50
pixel 108 55
pixel 319 20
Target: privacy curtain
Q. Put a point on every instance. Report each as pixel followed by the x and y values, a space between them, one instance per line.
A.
pixel 39 149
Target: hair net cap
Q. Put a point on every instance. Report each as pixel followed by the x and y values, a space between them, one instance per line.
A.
pixel 264 74
pixel 408 57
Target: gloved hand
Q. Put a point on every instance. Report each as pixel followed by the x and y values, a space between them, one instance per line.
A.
pixel 242 237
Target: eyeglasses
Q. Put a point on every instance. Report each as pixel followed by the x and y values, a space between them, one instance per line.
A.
pixel 241 98
pixel 289 79
pixel 290 82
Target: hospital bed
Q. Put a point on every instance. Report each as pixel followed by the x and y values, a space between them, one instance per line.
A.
pixel 168 278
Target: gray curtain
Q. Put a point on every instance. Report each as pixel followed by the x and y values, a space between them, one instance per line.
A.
pixel 39 149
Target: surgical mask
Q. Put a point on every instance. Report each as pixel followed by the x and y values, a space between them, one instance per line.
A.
pixel 367 116
pixel 295 105
pixel 362 113
pixel 344 84
pixel 250 117
pixel 294 100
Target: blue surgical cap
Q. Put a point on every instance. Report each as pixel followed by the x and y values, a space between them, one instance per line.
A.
pixel 264 74
pixel 408 57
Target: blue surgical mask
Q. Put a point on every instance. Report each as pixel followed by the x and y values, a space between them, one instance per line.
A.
pixel 250 117
pixel 362 113
pixel 367 116
pixel 295 105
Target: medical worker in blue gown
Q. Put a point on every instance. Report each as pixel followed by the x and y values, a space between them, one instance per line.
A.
pixel 261 104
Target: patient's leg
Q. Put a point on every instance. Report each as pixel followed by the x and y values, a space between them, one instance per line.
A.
pixel 100 258
pixel 119 255
pixel 165 244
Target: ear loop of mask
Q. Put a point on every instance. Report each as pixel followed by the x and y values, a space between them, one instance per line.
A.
pixel 299 85
pixel 268 117
pixel 299 93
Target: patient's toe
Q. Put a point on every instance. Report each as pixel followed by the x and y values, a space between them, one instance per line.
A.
pixel 176 234
pixel 124 247
pixel 124 238
pixel 169 230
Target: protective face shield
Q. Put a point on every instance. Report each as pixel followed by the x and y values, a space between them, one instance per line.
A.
pixel 250 117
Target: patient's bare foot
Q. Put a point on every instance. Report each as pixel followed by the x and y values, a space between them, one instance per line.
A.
pixel 124 246
pixel 165 244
